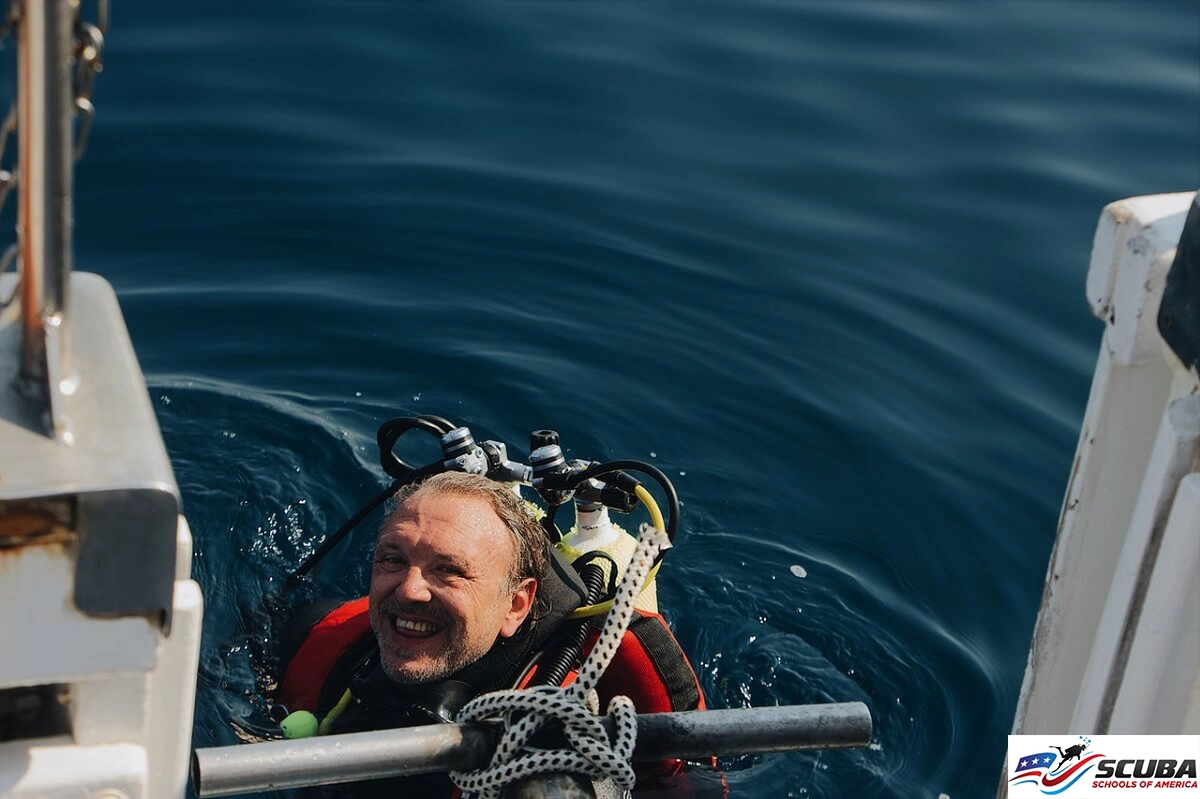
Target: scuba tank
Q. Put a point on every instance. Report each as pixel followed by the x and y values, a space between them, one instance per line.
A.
pixel 594 538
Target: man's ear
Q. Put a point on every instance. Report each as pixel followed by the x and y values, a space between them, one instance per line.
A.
pixel 522 603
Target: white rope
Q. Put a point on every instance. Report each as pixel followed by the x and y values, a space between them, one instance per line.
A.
pixel 575 707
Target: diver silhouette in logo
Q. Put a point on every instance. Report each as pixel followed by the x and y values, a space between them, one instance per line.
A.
pixel 1070 752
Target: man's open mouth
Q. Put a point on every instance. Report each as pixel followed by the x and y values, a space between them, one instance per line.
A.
pixel 415 628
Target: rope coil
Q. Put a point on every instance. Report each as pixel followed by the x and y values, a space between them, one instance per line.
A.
pixel 575 707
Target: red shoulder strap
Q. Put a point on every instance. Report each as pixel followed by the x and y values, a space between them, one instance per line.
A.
pixel 651 669
pixel 326 642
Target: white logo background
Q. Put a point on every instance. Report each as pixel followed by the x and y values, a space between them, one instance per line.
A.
pixel 1114 748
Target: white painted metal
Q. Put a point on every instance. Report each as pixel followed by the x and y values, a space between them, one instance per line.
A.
pixel 153 707
pixel 1174 455
pixel 1100 660
pixel 47 639
pixel 1131 254
pixel 130 686
pixel 172 696
pixel 116 435
pixel 1113 443
pixel 1163 675
pixel 132 690
pixel 56 769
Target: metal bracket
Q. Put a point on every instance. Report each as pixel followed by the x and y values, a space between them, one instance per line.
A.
pixel 114 469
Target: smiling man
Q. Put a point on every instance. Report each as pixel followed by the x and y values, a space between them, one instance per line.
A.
pixel 457 566
pixel 466 592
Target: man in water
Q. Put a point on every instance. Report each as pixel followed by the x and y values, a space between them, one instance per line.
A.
pixel 465 591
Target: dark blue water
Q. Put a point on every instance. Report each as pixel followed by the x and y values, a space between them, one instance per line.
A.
pixel 823 263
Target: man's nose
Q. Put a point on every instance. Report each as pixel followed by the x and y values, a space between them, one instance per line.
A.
pixel 413 586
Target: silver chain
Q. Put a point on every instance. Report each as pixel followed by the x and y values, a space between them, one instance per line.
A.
pixel 88 48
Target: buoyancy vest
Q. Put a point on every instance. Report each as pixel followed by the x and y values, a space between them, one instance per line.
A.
pixel 649 666
pixel 327 642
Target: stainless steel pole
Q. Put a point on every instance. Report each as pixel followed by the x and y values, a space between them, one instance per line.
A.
pixel 275 765
pixel 750 730
pixel 44 212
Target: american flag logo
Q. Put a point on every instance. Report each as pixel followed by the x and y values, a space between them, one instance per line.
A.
pixel 1039 769
pixel 1038 762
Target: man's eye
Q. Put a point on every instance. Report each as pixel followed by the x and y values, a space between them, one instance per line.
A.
pixel 450 571
pixel 389 561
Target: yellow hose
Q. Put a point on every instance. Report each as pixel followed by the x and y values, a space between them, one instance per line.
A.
pixel 656 518
pixel 335 711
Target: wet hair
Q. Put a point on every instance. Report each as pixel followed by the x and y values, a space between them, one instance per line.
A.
pixel 530 545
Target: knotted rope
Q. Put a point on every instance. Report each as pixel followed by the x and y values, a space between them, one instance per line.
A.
pixel 591 752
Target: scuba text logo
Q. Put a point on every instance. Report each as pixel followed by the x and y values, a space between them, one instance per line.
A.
pixel 1116 766
pixel 1055 773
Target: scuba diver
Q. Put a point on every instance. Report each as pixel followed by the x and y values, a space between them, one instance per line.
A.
pixel 470 593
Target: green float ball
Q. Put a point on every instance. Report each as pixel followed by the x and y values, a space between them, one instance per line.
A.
pixel 300 724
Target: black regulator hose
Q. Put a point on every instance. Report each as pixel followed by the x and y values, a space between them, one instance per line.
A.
pixel 441 421
pixel 390 433
pixel 627 483
pixel 548 525
pixel 332 541
pixel 559 662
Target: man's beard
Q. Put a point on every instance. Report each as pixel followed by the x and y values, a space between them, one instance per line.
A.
pixel 454 654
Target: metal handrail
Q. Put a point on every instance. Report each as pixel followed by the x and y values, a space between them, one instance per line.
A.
pixel 276 765
pixel 45 114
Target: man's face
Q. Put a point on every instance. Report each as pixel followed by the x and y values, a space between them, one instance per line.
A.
pixel 440 589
